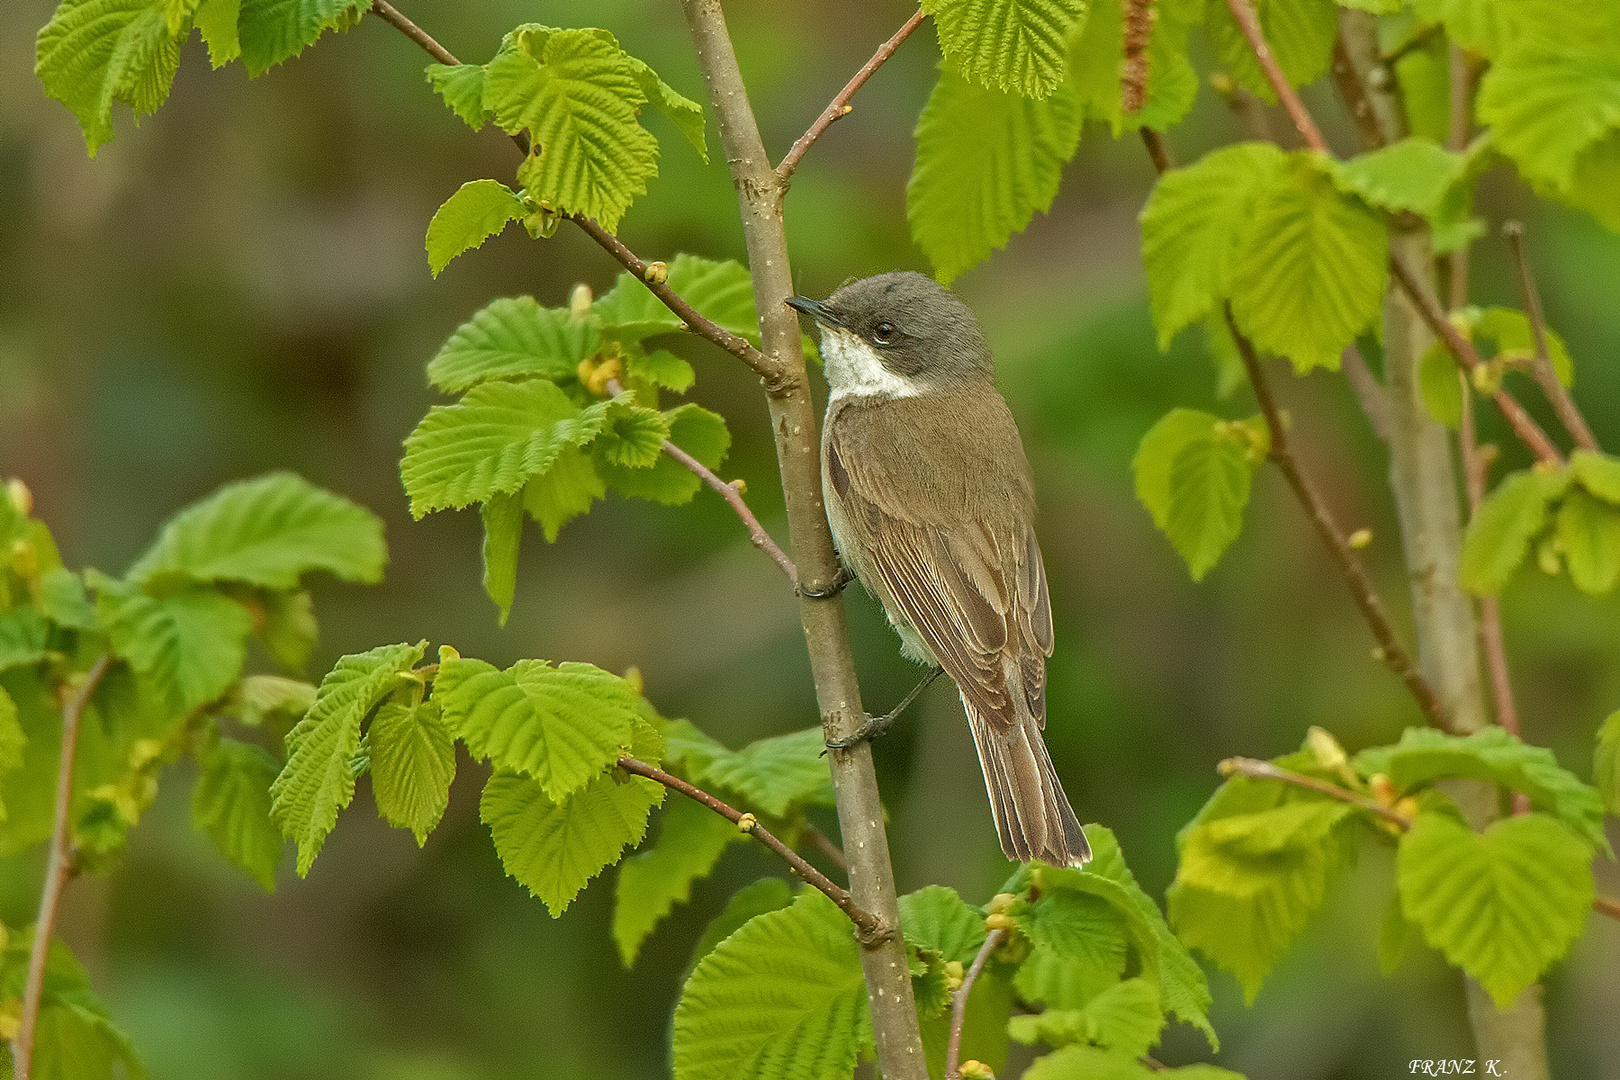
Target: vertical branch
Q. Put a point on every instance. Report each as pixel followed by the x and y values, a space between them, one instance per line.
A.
pixel 793 423
pixel 1562 403
pixel 1475 467
pixel 58 868
pixel 1249 22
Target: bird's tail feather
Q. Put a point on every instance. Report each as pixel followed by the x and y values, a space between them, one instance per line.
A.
pixel 1033 816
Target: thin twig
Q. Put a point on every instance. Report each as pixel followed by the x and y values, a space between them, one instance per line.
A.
pixel 1255 769
pixel 827 846
pixel 1140 15
pixel 1463 352
pixel 1607 905
pixel 1475 470
pixel 870 929
pixel 840 107
pixel 58 868
pixel 1157 150
pixel 1374 396
pixel 1411 44
pixel 729 492
pixel 1390 649
pixel 1556 392
pixel 959 1004
pixel 1249 23
pixel 396 18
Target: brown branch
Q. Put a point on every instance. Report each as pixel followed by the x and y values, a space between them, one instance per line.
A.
pixel 870 928
pixel 1390 649
pixel 1607 905
pixel 1475 470
pixel 1354 93
pixel 1157 150
pixel 840 107
pixel 1249 23
pixel 827 846
pixel 729 492
pixel 396 18
pixel 58 868
pixel 959 1004
pixel 1556 392
pixel 1140 15
pixel 1255 769
pixel 1463 352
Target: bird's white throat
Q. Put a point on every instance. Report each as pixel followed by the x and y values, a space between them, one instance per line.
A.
pixel 854 370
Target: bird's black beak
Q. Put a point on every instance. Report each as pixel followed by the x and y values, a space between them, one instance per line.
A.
pixel 815 309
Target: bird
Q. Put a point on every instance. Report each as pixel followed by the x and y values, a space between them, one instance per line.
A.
pixel 931 504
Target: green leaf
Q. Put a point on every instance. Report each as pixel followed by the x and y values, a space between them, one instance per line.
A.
pixel 62 599
pixel 272 31
pixel 766 894
pixel 935 917
pixel 1502 527
pixel 720 291
pixel 1588 532
pixel 1606 763
pixel 694 429
pixel 23 633
pixel 289 631
pixel 783 998
pixel 216 22
pixel 1008 45
pixel 1311 268
pixel 513 338
pixel 266 695
pixel 477 211
pixel 96 52
pixel 577 94
pixel 690 841
pixel 268 532
pixel 554 850
pixel 462 88
pixel 563 492
pixel 683 112
pixel 986 161
pixel 776 773
pixel 1425 755
pixel 1079 948
pixel 1595 186
pixel 318 779
pixel 1125 1017
pixel 1515 340
pixel 1441 386
pixel 1597 473
pixel 1502 905
pixel 13 740
pixel 1090 1063
pixel 632 436
pixel 74 1039
pixel 191 643
pixel 561 725
pixel 662 368
pixel 231 803
pixel 413 761
pixel 1413 174
pixel 1191 227
pixel 1299 32
pixel 1172 80
pixel 1209 487
pixel 503 533
pixel 490 442
pixel 1393 934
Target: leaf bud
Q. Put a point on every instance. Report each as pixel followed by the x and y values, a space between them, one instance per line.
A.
pixel 973 1069
pixel 1329 754
pixel 656 273
pixel 1408 809
pixel 22 500
pixel 1222 84
pixel 448 653
pixel 1383 789
pixel 1547 557
pixel 579 301
pixel 632 675
pixel 1003 904
pixel 1359 539
pixel 747 823
pixel 1487 377
pixel 954 975
pixel 741 485
pixel 25 559
pixel 1000 920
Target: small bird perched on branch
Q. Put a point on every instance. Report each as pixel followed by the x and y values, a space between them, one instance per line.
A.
pixel 931 504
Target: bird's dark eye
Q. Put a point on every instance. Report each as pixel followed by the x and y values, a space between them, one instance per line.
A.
pixel 884 332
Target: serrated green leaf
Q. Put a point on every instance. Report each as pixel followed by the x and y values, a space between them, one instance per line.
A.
pixel 1441 386
pixel 1172 80
pixel 23 633
pixel 690 841
pixel 683 112
pixel 1483 26
pixel 502 516
pixel 1124 1017
pixel 783 997
pixel 1595 186
pixel 696 430
pixel 462 88
pixel 190 643
pixel 766 894
pixel 1209 487
pixel 216 22
pixel 477 211
pixel 1079 948
pixel 1425 755
pixel 13 740
pixel 1090 1063
pixel 563 492
pixel 1393 932
pixel 554 849
pixel 265 695
pixel 63 600
pixel 1588 536
pixel 317 780
pixel 1502 527
pixel 1504 905
pixel 1310 269
pixel 720 291
pixel 1008 45
pixel 289 631
pixel 269 532
pixel 1299 32
pixel 1597 473
pixel 936 918
pixel 231 803
pixel 96 52
pixel 1191 227
pixel 413 761
pixel 1095 58
pixel 662 368
pixel 577 95
pixel 986 161
pixel 561 725
pixel 513 338
pixel 75 1039
pixel 490 442
pixel 1606 763
pixel 1515 340
pixel 1157 454
pixel 632 437
pixel 271 31
pixel 776 773
pixel 1413 174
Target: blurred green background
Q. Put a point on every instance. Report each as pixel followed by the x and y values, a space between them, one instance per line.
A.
pixel 240 285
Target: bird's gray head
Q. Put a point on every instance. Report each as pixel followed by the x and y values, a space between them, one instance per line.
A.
pixel 896 335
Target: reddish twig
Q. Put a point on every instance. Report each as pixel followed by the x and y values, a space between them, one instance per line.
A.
pixel 1249 23
pixel 1475 468
pixel 869 927
pixel 1157 150
pixel 1140 15
pixel 1255 769
pixel 959 1004
pixel 840 107
pixel 1556 392
pixel 58 868
pixel 396 18
pixel 1390 649
pixel 827 846
pixel 1607 905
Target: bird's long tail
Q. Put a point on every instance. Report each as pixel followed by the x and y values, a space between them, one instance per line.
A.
pixel 1033 816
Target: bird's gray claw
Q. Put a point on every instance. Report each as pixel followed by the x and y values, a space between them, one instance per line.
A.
pixel 873 728
pixel 831 590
